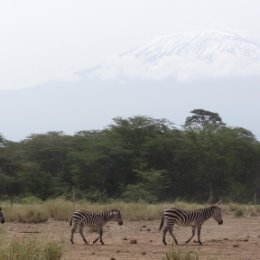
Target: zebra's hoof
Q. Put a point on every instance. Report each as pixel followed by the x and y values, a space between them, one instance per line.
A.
pixel 164 243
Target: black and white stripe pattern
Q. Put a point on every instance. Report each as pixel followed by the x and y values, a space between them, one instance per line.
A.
pixel 193 218
pixel 80 218
pixel 2 219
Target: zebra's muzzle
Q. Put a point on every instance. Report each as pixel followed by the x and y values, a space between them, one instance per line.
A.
pixel 220 222
pixel 2 220
pixel 120 223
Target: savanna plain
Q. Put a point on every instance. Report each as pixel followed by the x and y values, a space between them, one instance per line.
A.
pixel 42 231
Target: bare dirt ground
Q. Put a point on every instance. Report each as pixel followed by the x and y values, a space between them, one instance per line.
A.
pixel 236 239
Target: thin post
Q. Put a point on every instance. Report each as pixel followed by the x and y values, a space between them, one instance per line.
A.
pixel 210 199
pixel 73 197
pixel 11 199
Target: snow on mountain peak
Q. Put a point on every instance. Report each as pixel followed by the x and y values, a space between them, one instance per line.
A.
pixel 185 56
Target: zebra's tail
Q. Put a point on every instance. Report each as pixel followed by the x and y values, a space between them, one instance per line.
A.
pixel 162 221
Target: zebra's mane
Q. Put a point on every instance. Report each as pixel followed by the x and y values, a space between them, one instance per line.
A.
pixel 200 209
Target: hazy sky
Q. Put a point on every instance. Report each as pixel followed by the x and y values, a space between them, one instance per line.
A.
pixel 52 39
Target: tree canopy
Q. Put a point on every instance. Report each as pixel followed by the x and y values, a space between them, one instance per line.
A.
pixel 136 158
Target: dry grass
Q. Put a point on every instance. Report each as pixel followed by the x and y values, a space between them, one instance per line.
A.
pixel 19 249
pixel 34 211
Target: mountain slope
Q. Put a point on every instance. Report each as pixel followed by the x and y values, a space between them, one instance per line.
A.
pixel 156 80
pixel 185 56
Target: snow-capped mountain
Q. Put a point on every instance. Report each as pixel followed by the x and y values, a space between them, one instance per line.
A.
pixel 219 61
pixel 185 56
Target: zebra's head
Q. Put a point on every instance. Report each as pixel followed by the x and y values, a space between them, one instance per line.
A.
pixel 216 214
pixel 117 216
pixel 2 219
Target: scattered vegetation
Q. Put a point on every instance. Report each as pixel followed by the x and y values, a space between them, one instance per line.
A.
pixel 240 210
pixel 28 213
pixel 20 249
pixel 53 251
pixel 239 213
pixel 181 255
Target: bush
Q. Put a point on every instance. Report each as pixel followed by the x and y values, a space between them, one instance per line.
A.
pixel 30 250
pixel 53 251
pixel 239 213
pixel 96 196
pixel 31 200
pixel 59 209
pixel 137 193
pixel 181 255
pixel 26 214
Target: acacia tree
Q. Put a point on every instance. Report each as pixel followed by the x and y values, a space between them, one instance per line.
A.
pixel 201 119
pixel 136 158
pixel 134 132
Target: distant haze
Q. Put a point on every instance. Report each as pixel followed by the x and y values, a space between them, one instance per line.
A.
pixel 75 65
pixel 91 104
pixel 212 70
pixel 53 39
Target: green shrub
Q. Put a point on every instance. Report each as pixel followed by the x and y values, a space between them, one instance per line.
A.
pixel 181 255
pixel 31 200
pixel 137 193
pixel 239 212
pixel 53 251
pixel 96 196
pixel 257 209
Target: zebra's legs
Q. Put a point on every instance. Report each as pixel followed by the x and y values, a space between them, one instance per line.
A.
pixel 170 231
pixel 100 236
pixel 81 233
pixel 199 231
pixel 192 235
pixel 164 233
pixel 74 228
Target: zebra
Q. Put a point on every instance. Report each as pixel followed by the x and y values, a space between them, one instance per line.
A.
pixel 80 218
pixel 193 218
pixel 2 219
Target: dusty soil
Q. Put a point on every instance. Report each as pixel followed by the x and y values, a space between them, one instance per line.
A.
pixel 237 238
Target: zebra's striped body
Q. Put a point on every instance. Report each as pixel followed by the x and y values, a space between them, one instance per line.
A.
pixel 193 218
pixel 2 219
pixel 80 218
